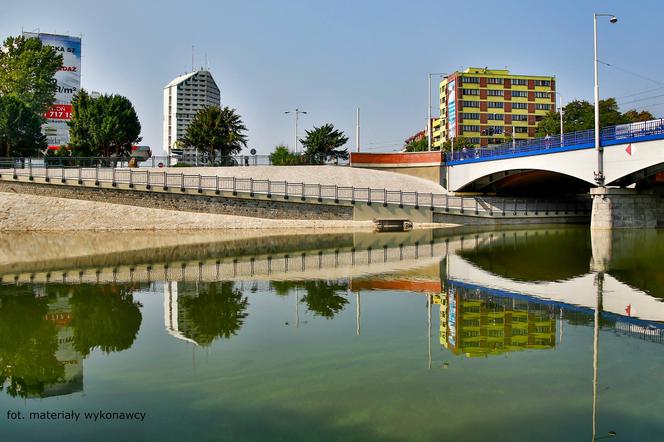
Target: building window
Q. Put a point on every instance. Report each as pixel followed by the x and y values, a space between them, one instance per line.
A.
pixel 470 128
pixel 495 80
pixel 543 83
pixel 495 116
pixel 474 140
pixel 495 104
pixel 475 80
pixel 522 94
pixel 470 91
pixel 519 105
pixel 542 95
pixel 543 107
pixel 470 116
pixel 494 93
pixel 469 103
pixel 518 117
pixel 521 130
pixel 519 82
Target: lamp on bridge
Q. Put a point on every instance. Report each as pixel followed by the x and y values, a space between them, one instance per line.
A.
pixel 599 174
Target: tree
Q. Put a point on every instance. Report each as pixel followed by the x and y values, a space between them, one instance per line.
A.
pixel 282 156
pixel 580 115
pixel 324 143
pixel 104 317
pixel 28 343
pixel 459 143
pixel 217 132
pixel 420 145
pixel 103 126
pixel 215 310
pixel 27 69
pixel 323 298
pixel 635 116
pixel 20 128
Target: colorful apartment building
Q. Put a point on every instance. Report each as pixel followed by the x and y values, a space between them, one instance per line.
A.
pixel 475 324
pixel 489 106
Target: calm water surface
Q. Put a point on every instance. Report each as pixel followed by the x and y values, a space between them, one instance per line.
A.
pixel 522 335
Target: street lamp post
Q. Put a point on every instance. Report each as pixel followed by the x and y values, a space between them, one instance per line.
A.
pixel 561 111
pixel 297 113
pixel 429 125
pixel 599 174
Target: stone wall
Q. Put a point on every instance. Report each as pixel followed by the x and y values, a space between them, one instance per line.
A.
pixel 188 201
pixel 627 209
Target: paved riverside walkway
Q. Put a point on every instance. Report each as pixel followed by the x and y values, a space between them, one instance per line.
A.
pixel 326 175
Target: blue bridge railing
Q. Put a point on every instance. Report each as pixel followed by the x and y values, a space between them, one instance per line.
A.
pixel 623 133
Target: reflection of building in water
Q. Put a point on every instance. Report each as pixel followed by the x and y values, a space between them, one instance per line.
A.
pixel 60 315
pixel 175 316
pixel 475 323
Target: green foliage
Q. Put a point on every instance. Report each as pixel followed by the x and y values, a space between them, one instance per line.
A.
pixel 213 310
pixel 102 126
pixel 323 144
pixel 20 128
pixel 580 115
pixel 28 343
pixel 217 132
pixel 104 317
pixel 420 145
pixel 459 143
pixel 282 156
pixel 323 298
pixel 27 69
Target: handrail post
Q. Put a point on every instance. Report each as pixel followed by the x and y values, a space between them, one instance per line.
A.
pixel 114 182
pixel 147 179
pixel 515 205
pixel 96 174
pixel 417 200
pixel 200 183
pixel 14 175
pixel 131 178
pixel 368 196
pixel 234 186
pixel 320 192
pixel 447 202
pixel 336 193
pixel 46 178
pixel 216 185
pixel 181 182
pixel 30 167
pixel 477 206
pixel 251 187
pixel 352 195
pixel 285 189
pixel 384 197
pixel 165 181
pixel 269 188
pixel 431 206
pixel 400 198
pixel 80 176
pixel 302 197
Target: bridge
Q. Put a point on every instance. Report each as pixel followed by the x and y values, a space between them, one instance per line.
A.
pixel 566 163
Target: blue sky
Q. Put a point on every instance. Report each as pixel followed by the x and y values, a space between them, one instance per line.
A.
pixel 329 57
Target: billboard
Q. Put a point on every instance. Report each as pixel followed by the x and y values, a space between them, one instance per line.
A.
pixel 69 82
pixel 451 108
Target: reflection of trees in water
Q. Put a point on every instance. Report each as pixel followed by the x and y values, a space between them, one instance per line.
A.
pixel 104 317
pixel 28 343
pixel 322 297
pixel 214 310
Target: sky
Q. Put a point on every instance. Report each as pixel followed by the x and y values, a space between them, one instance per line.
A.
pixel 331 57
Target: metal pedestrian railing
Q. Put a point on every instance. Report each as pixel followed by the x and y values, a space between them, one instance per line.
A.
pixel 624 133
pixel 328 193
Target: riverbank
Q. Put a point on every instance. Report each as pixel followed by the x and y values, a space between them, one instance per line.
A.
pixel 24 212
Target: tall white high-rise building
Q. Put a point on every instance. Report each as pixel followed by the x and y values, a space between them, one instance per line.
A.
pixel 183 97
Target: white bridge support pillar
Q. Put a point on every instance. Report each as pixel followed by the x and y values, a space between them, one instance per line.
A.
pixel 615 208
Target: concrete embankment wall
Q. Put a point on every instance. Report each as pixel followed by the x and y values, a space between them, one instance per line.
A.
pixel 189 201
